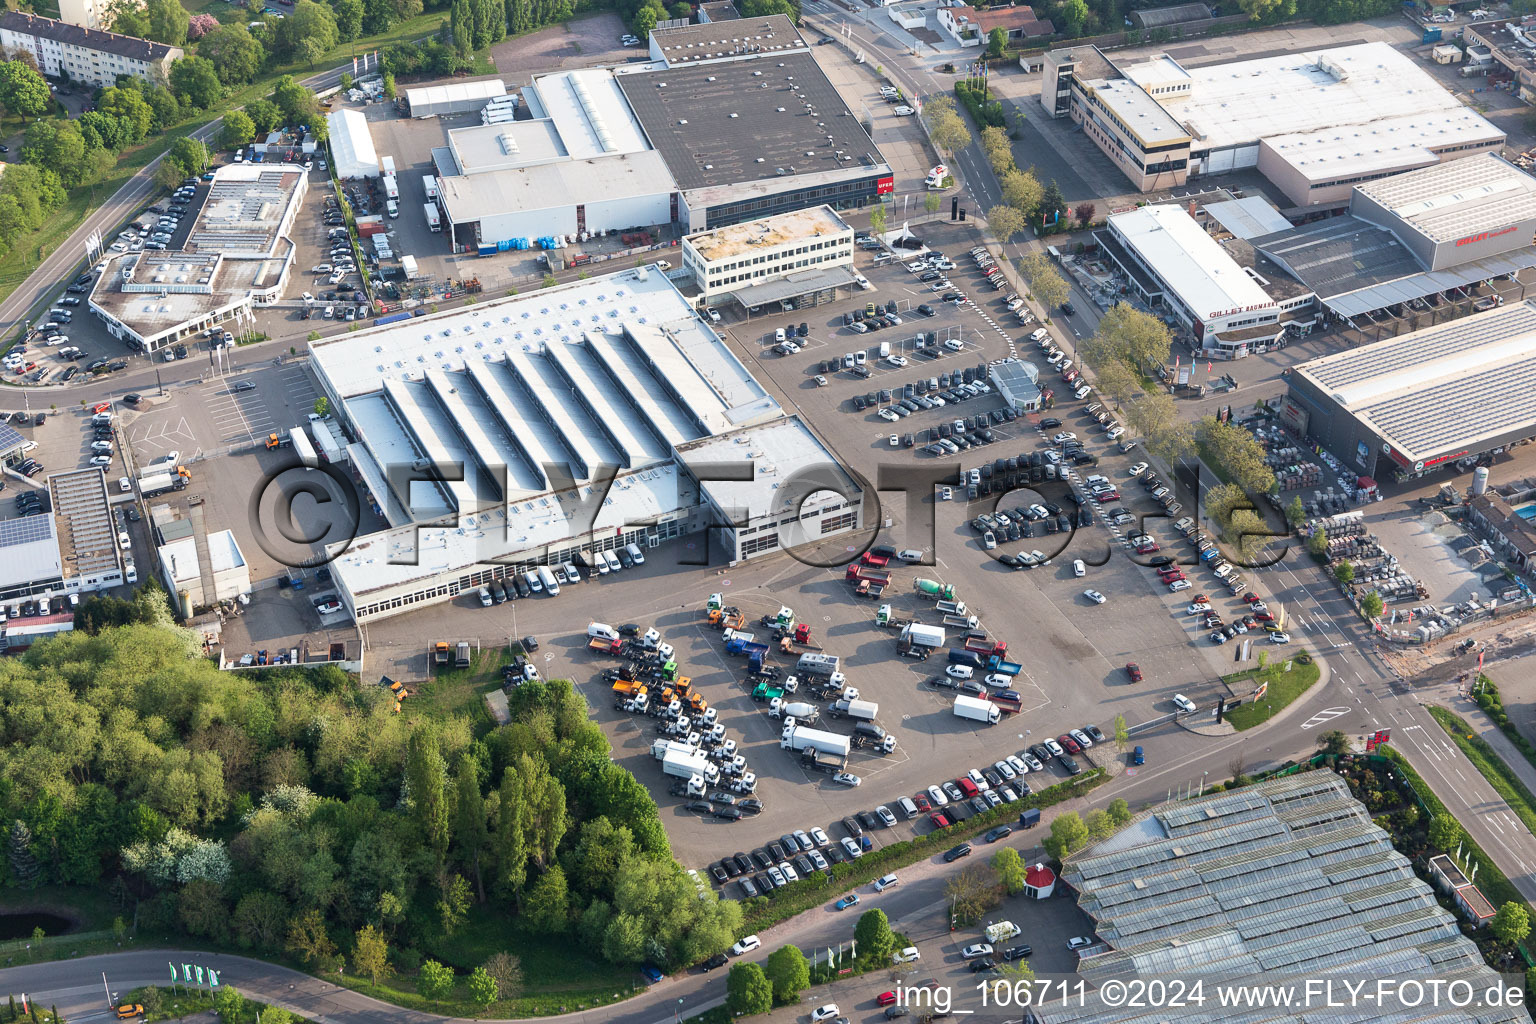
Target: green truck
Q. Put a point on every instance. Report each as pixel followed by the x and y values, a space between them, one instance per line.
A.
pixel 765 692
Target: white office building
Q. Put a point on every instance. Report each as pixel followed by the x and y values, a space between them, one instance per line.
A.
pixel 813 247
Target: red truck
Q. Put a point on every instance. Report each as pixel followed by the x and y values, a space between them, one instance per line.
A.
pixel 880 561
pixel 864 572
pixel 985 647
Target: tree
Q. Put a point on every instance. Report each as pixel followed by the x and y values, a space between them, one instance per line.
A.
pixel 997 40
pixel 877 220
pixel 129 18
pixel 23 91
pixel 1068 835
pixel 24 866
pixel 1072 14
pixel 322 406
pixel 276 1015
pixel 308 939
pixel 196 80
pixel 370 956
pixel 644 21
pixel 349 22
pixel 236 55
pixel 1259 10
pixel 1344 572
pixel 296 103
pixel 932 202
pixel 237 130
pixel 789 972
pixel 461 27
pixel 972 892
pixel 307 33
pixel 482 987
pixel 426 781
pixel 200 25
pixel 1021 191
pixel 1047 286
pixel 1010 869
pixel 1295 514
pixel 874 936
pixel 435 982
pixel 747 990
pixel 264 114
pixel 1100 825
pixel 506 971
pixel 1118 383
pixel 189 155
pixel 1122 733
pixel 1334 741
pixel 945 127
pixel 1053 205
pixel 1138 339
pixel 1511 924
pixel 1371 605
pixel 56 144
pixel 1005 222
pixel 168 21
pixel 1083 213
pixel 229 1004
pixel 1317 543
pixel 1120 812
pixel 545 906
pixel 259 919
pixel 999 149
pixel 1445 833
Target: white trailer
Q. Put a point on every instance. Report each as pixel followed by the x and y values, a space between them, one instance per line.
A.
pixel 919 635
pixel 978 710
pixel 391 186
pixel 686 766
pixel 797 739
pixel 303 448
pixel 330 446
pixel 408 266
pixel 387 165
pixel 822 665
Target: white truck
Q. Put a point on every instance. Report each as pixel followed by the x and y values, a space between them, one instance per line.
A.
pixel 978 710
pixel 1002 931
pixel 916 634
pixel 302 448
pixel 429 183
pixel 391 186
pixel 387 165
pixel 800 711
pixel 686 766
pixel 797 738
pixel 434 222
pixel 408 267
pixel 863 710
pixel 158 483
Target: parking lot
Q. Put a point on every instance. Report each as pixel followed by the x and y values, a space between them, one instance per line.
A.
pixel 1074 652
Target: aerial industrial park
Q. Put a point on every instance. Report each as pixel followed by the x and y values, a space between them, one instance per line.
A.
pixel 833 514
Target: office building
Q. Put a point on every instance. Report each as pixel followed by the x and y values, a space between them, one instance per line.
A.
pixel 809 252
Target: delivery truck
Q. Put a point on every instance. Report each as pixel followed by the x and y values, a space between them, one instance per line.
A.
pixel 159 483
pixel 798 738
pixel 434 222
pixel 603 630
pixel 919 635
pixel 429 183
pixel 685 765
pixel 387 165
pixel 978 710
pixel 391 187
pixel 863 710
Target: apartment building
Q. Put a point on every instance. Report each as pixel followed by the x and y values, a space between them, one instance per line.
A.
pixel 86 55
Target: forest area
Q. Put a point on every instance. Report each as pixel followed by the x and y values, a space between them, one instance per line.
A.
pixel 294 813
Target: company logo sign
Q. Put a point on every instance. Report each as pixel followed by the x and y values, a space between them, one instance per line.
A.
pixel 885 186
pixel 1244 309
pixel 1483 236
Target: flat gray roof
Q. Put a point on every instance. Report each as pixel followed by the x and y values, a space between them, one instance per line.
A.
pixel 794 285
pixel 1285 880
pixel 1442 388
pixel 29 551
pixel 1430 282
pixel 1339 254
pixel 773 117
pixel 738 37
pixel 1458 198
pixel 87 538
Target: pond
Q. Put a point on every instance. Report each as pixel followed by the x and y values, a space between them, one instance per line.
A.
pixel 20 926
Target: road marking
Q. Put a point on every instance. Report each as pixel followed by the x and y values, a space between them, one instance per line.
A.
pixel 1324 716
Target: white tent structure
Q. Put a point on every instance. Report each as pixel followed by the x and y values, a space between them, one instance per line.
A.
pixel 455 98
pixel 352 145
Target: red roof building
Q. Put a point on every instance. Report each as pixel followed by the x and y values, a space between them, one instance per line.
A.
pixel 970 26
pixel 1039 882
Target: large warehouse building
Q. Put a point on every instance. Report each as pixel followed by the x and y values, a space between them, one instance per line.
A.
pixel 730 122
pixel 1315 123
pixel 1423 400
pixel 577 419
pixel 1280 882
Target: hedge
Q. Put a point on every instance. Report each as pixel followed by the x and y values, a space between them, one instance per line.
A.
pixel 1493 882
pixel 985 114
pixel 797 897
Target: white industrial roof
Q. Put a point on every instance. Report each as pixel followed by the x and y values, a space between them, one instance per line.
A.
pixel 555 186
pixel 179 559
pixel 494 147
pixel 1248 217
pixel 1192 263
pixel 1139 111
pixel 352 145
pixel 590 112
pixel 1458 198
pixel 1325 92
pixel 778 450
pixel 1384 144
pixel 29 551
pixel 224 552
pixel 456 92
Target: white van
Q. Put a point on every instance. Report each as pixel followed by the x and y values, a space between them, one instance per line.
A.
pixel 612 561
pixel 571 573
pixel 551 585
pixel 633 550
pixel 602 631
pixel 885 349
pixel 535 584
